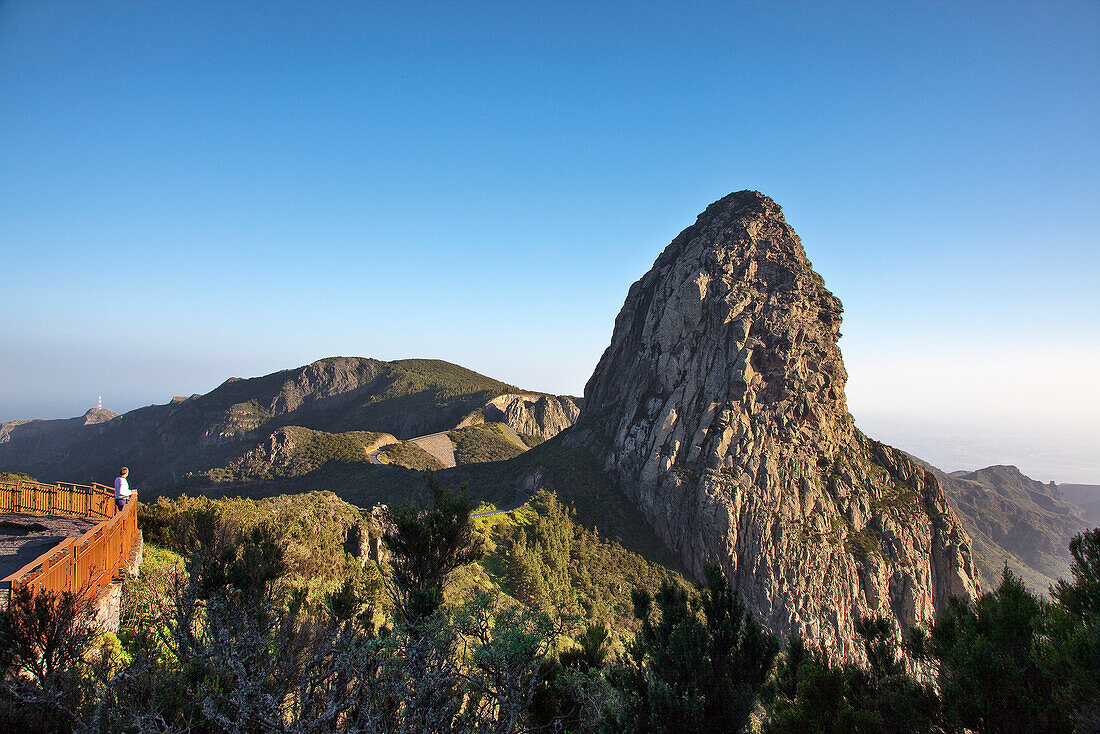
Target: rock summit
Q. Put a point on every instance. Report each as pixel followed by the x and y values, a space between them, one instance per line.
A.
pixel 719 410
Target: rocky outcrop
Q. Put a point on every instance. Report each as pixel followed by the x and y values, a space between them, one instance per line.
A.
pixel 98 415
pixel 719 409
pixel 533 415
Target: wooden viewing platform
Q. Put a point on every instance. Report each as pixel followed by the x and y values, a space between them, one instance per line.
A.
pixel 81 565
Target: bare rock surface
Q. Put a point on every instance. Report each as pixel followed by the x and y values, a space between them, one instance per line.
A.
pixel 719 409
pixel 533 415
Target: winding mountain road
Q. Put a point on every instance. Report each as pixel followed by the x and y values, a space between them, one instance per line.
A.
pixel 437 444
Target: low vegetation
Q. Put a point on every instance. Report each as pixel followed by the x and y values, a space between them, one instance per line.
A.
pixel 410 456
pixel 532 439
pixel 543 557
pixel 481 443
pixel 311 529
pixel 306 614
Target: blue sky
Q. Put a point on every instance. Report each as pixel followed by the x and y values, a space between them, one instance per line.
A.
pixel 190 191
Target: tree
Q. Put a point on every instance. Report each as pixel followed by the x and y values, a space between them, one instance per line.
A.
pixel 884 690
pixel 1071 654
pixel 810 696
pixel 812 693
pixel 426 546
pixel 508 646
pixel 44 638
pixel 541 554
pixel 699 661
pixel 987 657
pixel 574 692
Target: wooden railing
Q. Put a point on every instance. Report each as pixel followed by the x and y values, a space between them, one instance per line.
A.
pixel 80 565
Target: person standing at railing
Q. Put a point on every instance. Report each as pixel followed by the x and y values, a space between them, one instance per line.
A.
pixel 122 488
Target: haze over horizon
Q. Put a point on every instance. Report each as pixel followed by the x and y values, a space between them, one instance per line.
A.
pixel 195 192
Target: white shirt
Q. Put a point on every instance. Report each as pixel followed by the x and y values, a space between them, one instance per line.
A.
pixel 122 488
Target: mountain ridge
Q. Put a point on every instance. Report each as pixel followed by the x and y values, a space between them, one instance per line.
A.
pixel 1021 523
pixel 166 443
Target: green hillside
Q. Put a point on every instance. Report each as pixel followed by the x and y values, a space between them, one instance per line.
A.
pixel 294 451
pixel 570 473
pixel 483 442
pixel 415 397
pixel 410 456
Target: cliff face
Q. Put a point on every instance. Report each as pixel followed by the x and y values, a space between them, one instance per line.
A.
pixel 719 409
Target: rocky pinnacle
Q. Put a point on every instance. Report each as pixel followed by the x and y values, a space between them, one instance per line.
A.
pixel 719 409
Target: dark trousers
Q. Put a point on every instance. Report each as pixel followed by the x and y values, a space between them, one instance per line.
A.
pixel 120 502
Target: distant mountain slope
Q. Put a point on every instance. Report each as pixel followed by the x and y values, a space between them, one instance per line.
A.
pixel 164 443
pixel 42 440
pixel 1085 496
pixel 1014 520
pixel 294 451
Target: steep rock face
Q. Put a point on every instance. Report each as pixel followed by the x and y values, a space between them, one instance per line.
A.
pixel 542 415
pixel 719 409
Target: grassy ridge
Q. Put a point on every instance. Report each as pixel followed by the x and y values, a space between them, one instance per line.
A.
pixel 415 397
pixel 483 442
pixel 410 456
